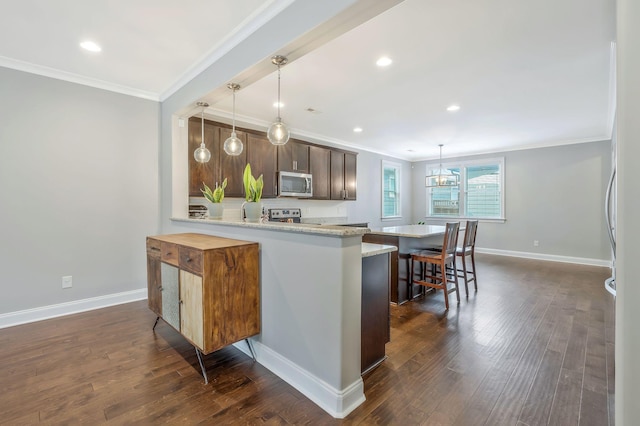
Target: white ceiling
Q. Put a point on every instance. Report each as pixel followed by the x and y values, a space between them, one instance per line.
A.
pixel 525 74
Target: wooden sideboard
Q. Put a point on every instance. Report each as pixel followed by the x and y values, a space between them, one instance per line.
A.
pixel 205 287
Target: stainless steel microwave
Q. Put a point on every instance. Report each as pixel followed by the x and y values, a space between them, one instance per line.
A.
pixel 291 184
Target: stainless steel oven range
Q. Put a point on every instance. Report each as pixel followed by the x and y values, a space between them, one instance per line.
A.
pixel 291 215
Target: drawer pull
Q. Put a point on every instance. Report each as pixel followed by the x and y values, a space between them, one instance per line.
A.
pixel 188 259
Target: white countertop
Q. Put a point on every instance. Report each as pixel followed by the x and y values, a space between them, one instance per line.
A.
pixel 370 249
pixel 302 228
pixel 411 231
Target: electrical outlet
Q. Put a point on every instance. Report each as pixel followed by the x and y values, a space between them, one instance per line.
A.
pixel 536 243
pixel 67 281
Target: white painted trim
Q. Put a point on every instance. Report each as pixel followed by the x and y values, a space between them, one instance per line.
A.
pixel 549 257
pixel 251 24
pixel 52 311
pixel 338 403
pixel 76 78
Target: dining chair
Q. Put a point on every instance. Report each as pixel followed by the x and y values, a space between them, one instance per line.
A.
pixel 468 249
pixel 444 262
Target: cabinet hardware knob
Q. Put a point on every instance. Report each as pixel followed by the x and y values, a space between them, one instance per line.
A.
pixel 188 259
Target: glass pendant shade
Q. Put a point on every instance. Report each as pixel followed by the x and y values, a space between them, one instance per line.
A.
pixel 233 145
pixel 441 177
pixel 202 154
pixel 278 132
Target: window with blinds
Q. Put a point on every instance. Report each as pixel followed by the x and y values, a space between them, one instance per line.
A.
pixel 390 190
pixel 480 194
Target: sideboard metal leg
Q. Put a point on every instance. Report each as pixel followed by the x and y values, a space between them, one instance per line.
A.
pixel 253 355
pixel 155 323
pixel 204 372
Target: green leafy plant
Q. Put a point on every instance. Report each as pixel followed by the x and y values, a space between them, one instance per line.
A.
pixel 252 186
pixel 217 195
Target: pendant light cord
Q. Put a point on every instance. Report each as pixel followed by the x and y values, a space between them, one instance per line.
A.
pixel 279 119
pixel 234 111
pixel 202 125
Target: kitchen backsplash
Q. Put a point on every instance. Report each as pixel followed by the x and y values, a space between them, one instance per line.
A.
pixel 313 211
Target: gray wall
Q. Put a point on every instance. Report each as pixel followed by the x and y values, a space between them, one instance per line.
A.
pixel 554 195
pixel 368 206
pixel 78 187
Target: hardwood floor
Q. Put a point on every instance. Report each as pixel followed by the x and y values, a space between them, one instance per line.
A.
pixel 533 346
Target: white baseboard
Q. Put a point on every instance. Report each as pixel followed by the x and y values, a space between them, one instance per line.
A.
pixel 52 311
pixel 338 403
pixel 549 257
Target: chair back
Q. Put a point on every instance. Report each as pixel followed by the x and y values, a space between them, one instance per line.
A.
pixel 450 239
pixel 470 234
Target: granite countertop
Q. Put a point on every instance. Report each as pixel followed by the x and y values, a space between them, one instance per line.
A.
pixel 302 228
pixel 369 249
pixel 411 231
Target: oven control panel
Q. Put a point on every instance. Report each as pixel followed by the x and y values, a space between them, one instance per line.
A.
pixel 284 214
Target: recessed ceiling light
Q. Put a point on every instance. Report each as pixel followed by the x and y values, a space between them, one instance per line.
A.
pixel 357 129
pixel 275 104
pixel 453 107
pixel 384 61
pixel 90 46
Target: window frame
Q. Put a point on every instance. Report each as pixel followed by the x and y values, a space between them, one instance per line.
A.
pixel 398 192
pixel 463 165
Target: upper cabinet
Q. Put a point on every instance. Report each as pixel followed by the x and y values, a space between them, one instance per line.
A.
pixel 293 157
pixel 231 166
pixel 320 169
pixel 203 172
pixel 333 170
pixel 343 175
pixel 263 157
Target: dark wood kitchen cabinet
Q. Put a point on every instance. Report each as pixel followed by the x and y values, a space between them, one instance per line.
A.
pixel 231 166
pixel 205 287
pixel 257 150
pixel 209 172
pixel 263 157
pixel 320 169
pixel 333 170
pixel 375 313
pixel 343 175
pixel 293 157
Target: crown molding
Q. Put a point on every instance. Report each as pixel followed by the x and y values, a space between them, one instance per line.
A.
pixel 76 78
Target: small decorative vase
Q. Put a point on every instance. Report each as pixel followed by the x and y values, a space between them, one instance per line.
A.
pixel 252 211
pixel 215 210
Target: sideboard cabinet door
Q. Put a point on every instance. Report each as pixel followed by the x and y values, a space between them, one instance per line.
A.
pixel 170 295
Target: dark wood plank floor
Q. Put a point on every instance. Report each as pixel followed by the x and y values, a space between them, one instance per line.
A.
pixel 534 346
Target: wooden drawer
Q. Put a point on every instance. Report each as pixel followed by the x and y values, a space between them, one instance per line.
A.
pixel 191 260
pixel 169 253
pixel 153 247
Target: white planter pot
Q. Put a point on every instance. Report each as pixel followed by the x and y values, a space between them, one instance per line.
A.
pixel 252 211
pixel 215 210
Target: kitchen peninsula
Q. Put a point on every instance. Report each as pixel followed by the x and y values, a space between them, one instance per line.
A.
pixel 406 238
pixel 311 292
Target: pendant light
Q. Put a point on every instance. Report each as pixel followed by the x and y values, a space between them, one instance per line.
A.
pixel 441 177
pixel 202 154
pixel 278 132
pixel 233 145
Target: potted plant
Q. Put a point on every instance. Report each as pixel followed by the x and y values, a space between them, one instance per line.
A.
pixel 252 194
pixel 215 198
